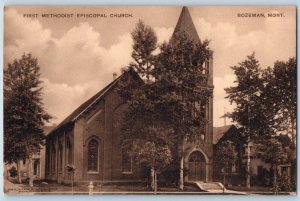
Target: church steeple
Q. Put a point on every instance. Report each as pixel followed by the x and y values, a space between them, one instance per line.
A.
pixel 185 24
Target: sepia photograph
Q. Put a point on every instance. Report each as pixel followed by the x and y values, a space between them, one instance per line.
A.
pixel 149 100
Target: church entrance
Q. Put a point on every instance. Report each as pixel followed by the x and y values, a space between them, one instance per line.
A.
pixel 196 166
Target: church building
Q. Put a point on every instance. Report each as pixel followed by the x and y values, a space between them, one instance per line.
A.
pixel 89 139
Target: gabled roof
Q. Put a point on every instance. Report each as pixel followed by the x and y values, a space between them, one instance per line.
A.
pixel 185 24
pixel 218 132
pixel 48 129
pixel 84 106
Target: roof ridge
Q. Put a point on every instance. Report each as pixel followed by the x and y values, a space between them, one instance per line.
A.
pixel 100 95
pixel 85 105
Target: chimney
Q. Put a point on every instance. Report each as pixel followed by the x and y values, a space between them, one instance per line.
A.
pixel 115 76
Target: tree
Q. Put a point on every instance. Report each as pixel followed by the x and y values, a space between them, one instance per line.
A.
pixel 250 112
pixel 24 114
pixel 180 77
pixel 145 42
pixel 225 157
pixel 247 94
pixel 273 152
pixel 280 93
pixel 281 82
pixel 266 100
pixel 171 94
pixel 154 155
pixel 142 124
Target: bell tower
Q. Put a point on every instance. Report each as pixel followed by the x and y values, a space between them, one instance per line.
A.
pixel 198 156
pixel 185 25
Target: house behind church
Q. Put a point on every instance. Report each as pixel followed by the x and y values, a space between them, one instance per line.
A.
pixel 260 171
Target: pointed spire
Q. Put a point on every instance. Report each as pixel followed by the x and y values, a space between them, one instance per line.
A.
pixel 185 24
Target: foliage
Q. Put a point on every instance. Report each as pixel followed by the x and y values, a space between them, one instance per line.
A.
pixel 265 98
pixel 171 174
pixel 183 86
pixel 24 114
pixel 153 154
pixel 281 82
pixel 165 104
pixel 273 152
pixel 70 168
pixel 145 42
pixel 167 99
pixel 250 112
pixel 13 171
pixel 266 106
pixel 284 184
pixel 225 156
pixel 141 124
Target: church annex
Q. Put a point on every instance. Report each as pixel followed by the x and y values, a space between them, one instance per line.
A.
pixel 90 140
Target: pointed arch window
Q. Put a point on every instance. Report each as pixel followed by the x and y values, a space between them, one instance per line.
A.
pixel 69 152
pixel 47 159
pixel 53 158
pixel 93 156
pixel 60 159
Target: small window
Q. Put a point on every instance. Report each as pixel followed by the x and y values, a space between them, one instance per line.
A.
pixel 93 156
pixel 36 166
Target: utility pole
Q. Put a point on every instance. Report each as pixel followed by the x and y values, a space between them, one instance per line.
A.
pixel 248 163
pixel 224 116
pixel 248 152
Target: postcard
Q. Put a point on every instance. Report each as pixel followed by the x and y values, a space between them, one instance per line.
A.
pixel 150 100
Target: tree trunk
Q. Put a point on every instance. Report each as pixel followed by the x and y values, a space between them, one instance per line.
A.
pixel 275 179
pixel 155 181
pixel 19 171
pixel 181 182
pixel 30 174
pixel 248 164
pixel 224 182
pixel 152 178
pixel 293 131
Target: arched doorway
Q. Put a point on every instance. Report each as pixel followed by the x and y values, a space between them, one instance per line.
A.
pixel 196 166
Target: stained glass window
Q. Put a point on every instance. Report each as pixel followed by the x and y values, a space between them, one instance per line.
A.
pixel 93 155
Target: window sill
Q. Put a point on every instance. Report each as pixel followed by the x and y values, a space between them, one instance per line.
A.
pixel 92 172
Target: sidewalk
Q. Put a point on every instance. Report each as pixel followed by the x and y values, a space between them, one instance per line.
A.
pixel 59 189
pixel 12 188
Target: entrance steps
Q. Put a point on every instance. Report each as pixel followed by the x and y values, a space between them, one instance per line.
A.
pixel 213 187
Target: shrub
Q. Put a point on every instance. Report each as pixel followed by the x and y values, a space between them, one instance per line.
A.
pixel 13 171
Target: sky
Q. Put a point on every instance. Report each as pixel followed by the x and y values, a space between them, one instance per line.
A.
pixel 79 55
